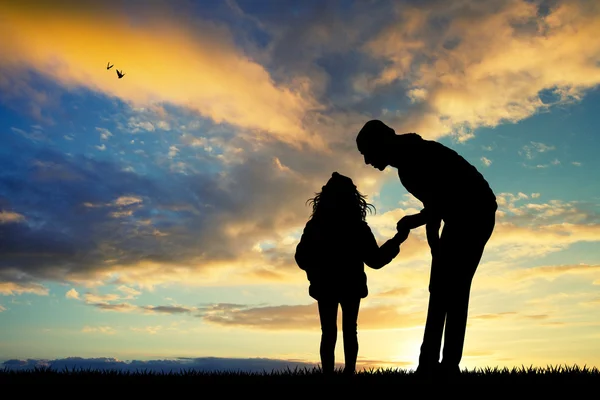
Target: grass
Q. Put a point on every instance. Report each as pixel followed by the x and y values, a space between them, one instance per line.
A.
pixel 523 375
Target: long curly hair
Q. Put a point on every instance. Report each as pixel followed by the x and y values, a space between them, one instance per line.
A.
pixel 339 197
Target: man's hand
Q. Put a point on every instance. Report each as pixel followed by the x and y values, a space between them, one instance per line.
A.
pixel 406 223
pixel 412 221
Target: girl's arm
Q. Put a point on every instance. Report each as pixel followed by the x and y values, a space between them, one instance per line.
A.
pixel 304 250
pixel 377 257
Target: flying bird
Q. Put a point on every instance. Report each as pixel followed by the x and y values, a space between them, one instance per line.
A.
pixel 108 66
pixel 120 74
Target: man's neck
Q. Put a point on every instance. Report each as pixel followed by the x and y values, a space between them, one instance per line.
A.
pixel 398 152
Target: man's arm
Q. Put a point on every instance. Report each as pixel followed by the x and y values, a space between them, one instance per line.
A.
pixel 432 230
pixel 432 224
pixel 378 257
pixel 413 221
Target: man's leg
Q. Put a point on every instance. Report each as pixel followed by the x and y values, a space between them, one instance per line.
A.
pixel 350 309
pixel 436 315
pixel 328 315
pixel 465 246
pixel 456 325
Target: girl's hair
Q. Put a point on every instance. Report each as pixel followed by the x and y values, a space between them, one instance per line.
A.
pixel 340 194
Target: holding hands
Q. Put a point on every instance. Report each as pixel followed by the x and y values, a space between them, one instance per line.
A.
pixel 403 232
pixel 409 222
pixel 404 226
pixel 432 227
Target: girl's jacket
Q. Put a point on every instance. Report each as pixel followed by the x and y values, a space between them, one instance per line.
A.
pixel 333 256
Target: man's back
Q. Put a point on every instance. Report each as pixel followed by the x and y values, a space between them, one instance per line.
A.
pixel 442 179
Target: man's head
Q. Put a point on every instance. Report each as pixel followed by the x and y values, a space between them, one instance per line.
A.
pixel 373 141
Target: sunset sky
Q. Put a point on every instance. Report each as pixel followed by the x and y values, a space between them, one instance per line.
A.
pixel 156 216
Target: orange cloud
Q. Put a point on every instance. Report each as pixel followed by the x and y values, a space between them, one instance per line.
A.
pixel 7 217
pixel 302 317
pixel 396 292
pixel 12 288
pixel 165 59
pixel 490 64
pixel 551 272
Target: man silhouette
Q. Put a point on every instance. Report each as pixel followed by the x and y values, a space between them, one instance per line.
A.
pixel 453 191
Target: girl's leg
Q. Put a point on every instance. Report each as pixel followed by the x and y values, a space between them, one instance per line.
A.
pixel 350 309
pixel 328 315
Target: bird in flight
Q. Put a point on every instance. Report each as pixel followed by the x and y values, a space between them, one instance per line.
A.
pixel 120 74
pixel 108 66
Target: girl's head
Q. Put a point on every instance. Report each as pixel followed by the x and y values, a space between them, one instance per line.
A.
pixel 340 198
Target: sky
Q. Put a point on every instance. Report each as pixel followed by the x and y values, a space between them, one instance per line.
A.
pixel 155 217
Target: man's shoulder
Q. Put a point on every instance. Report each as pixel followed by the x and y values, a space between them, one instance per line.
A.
pixel 443 154
pixel 434 145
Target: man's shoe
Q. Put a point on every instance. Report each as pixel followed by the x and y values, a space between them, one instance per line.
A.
pixel 449 372
pixel 348 375
pixel 427 371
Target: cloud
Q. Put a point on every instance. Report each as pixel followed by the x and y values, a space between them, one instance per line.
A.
pixel 536 317
pixel 470 71
pixel 493 316
pixel 511 318
pixel 552 272
pixel 515 210
pixel 208 364
pixel 100 298
pixel 119 307
pixel 13 288
pixel 486 161
pixel 107 330
pixel 7 217
pixel 152 330
pixel 115 302
pixel 114 225
pixel 141 219
pixel 127 201
pixel 130 292
pixel 204 228
pixel 529 151
pixel 518 242
pixel 304 317
pixel 104 133
pixel 168 309
pixel 525 228
pixel 212 76
pixel 2 308
pixel 396 292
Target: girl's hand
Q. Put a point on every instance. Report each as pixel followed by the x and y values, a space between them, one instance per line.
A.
pixel 402 234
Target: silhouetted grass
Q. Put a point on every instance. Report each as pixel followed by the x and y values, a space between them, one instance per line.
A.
pixel 523 375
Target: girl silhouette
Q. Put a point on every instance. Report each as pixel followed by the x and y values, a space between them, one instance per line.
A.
pixel 335 245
